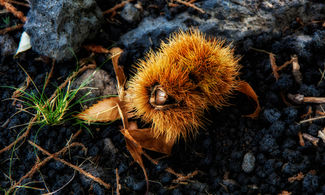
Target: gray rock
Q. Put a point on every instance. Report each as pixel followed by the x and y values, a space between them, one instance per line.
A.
pixel 130 13
pixel 100 83
pixel 57 26
pixel 248 162
pixel 7 45
pixel 150 31
pixel 233 20
pixel 109 147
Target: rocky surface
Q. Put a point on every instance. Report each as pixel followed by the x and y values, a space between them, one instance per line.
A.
pixel 58 28
pixel 96 83
pixel 8 45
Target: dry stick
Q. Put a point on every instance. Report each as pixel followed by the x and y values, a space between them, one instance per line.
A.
pixel 297 177
pixel 98 180
pixel 190 5
pixel 50 75
pixel 118 186
pixel 76 134
pixel 299 99
pixel 301 140
pixel 18 92
pixel 31 122
pixel 13 10
pixel 272 62
pixel 179 176
pixel 311 119
pixel 38 165
pixel 296 69
pixel 19 3
pixel 118 6
pixel 11 28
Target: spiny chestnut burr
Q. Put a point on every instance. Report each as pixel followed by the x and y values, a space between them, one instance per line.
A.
pixel 173 86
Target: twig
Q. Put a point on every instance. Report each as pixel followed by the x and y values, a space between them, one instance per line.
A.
pixel 19 91
pixel 31 122
pixel 118 6
pixel 96 49
pixel 272 62
pixel 11 28
pixel 297 177
pixel 301 140
pixel 322 76
pixel 294 61
pixel 50 74
pixel 187 177
pixel 76 134
pixel 50 193
pixel 19 3
pixel 13 10
pixel 299 99
pixel 118 185
pixel 179 176
pixel 98 180
pixel 296 69
pixel 310 138
pixel 189 4
pixel 39 164
pixel 274 66
pixel 311 119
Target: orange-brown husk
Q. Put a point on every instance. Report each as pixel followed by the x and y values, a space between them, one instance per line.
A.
pixel 196 72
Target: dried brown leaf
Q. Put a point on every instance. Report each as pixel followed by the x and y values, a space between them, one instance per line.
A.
pixel 136 152
pixel 246 89
pixel 147 140
pixel 120 76
pixel 103 111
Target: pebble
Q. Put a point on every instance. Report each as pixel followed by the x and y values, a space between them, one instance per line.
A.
pixel 130 13
pixel 248 162
pixel 7 45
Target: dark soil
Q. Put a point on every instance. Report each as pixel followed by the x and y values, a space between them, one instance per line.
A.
pixel 217 152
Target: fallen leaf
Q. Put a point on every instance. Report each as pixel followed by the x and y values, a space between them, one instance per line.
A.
pixel 147 140
pixel 120 76
pixel 24 43
pixel 136 152
pixel 103 111
pixel 246 89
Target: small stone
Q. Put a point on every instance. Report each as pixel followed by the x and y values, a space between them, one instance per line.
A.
pixel 109 146
pixel 130 13
pixel 7 45
pixel 248 162
pixel 98 81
